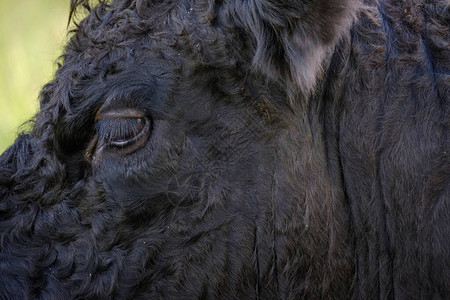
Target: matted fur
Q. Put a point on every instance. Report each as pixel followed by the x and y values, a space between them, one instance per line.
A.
pixel 237 150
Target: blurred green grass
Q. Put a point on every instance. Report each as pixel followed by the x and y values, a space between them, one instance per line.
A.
pixel 32 36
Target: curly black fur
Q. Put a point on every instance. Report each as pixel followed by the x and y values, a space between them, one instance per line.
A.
pixel 237 150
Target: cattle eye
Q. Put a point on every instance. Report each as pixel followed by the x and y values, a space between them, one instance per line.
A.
pixel 123 131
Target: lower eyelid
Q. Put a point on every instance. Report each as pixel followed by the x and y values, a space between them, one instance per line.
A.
pixel 134 143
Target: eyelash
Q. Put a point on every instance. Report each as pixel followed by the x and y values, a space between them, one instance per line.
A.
pixel 117 132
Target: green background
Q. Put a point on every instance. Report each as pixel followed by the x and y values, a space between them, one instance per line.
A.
pixel 32 36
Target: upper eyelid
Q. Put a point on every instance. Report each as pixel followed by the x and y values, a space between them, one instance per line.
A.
pixel 122 113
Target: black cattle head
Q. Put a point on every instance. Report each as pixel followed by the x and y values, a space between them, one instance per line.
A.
pixel 165 146
pixel 173 101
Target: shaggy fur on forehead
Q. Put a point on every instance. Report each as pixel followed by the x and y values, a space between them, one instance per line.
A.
pixel 290 40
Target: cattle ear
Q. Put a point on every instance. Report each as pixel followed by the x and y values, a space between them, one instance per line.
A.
pixel 294 37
